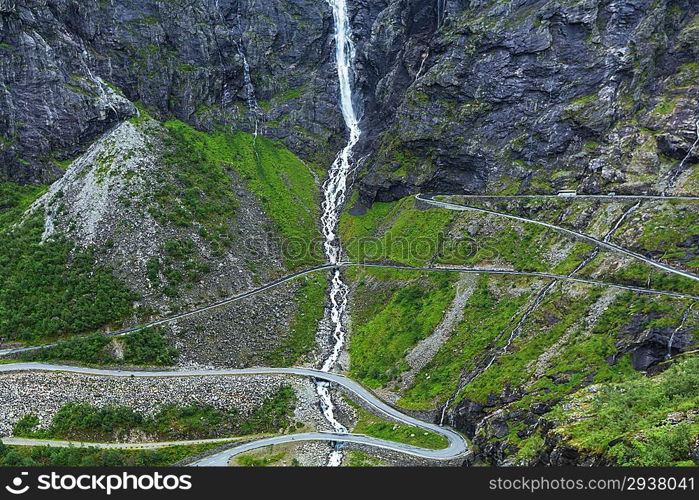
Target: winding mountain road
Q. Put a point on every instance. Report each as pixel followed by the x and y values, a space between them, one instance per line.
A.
pixel 251 293
pixel 586 237
pixel 221 459
pixel 57 443
pixel 456 448
pixel 595 197
pixel 559 277
pixel 198 310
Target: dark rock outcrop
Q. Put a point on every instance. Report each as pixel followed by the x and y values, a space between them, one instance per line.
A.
pixel 648 347
pixel 489 95
pixel 456 95
pixel 68 69
pixel 467 415
pixel 656 347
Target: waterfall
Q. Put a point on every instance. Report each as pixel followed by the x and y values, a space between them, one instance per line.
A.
pixel 249 90
pixel 685 315
pixel 441 9
pixel 610 233
pixel 675 173
pixel 334 193
pixel 423 59
pixel 249 87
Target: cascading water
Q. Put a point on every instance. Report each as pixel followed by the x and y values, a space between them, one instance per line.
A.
pixel 685 315
pixel 625 215
pixel 334 192
pixel 250 97
pixel 250 91
pixel 675 173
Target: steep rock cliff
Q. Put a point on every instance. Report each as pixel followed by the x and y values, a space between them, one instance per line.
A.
pixel 532 95
pixel 67 65
pixel 456 96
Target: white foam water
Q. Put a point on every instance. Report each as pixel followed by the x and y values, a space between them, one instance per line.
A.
pixel 334 195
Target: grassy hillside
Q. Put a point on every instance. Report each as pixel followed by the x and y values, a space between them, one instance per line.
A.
pixel 371 425
pixel 394 231
pixel 513 349
pixel 55 289
pixel 390 314
pixel 639 422
pixel 283 184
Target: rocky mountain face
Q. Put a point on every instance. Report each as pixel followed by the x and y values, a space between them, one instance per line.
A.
pixel 67 65
pixel 533 96
pixel 185 142
pixel 456 95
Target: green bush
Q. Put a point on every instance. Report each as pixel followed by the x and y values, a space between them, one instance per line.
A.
pixel 51 289
pixel 148 347
pixel 26 425
pixel 81 419
pixel 46 456
pixel 143 347
pixel 634 416
pixel 659 447
pixel 15 199
pixel 274 414
pixel 91 349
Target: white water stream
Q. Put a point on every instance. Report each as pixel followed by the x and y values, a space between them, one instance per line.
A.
pixel 334 194
pixel 685 315
pixel 250 98
pixel 250 91
pixel 675 173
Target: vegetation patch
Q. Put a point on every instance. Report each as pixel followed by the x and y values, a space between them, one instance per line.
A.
pixel 250 461
pixel 354 458
pixel 301 339
pixel 400 232
pixel 667 231
pixel 282 182
pixel 178 266
pixel 396 231
pixel 524 248
pixel 52 289
pixel 391 317
pixel 81 421
pixel 642 422
pixel 47 456
pixel 543 328
pixel 144 347
pixel 640 274
pixel 15 199
pixel 371 425
pixel 276 455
